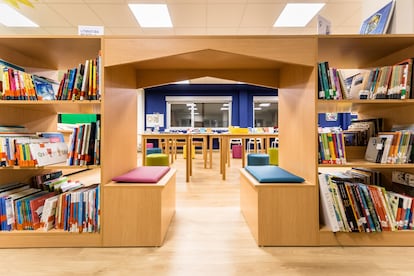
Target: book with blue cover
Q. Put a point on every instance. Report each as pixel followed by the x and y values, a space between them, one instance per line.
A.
pixel 378 22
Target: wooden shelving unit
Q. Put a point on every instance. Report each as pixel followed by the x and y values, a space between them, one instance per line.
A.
pixel 364 52
pixel 45 54
pixel 288 63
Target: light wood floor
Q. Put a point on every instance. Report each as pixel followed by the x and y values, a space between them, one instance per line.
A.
pixel 208 236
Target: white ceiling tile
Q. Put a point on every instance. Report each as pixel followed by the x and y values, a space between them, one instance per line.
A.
pixel 190 31
pixel 62 31
pixel 158 31
pixel 186 1
pixel 44 16
pixel 335 12
pixel 114 15
pixel 260 15
pixel 224 15
pixel 77 14
pixel 124 31
pixel 188 15
pixel 254 31
pixel 221 31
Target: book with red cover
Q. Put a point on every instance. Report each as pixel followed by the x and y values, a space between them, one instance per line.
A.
pixel 36 207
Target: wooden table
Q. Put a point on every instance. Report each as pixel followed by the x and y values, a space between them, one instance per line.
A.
pixel 170 139
pixel 225 147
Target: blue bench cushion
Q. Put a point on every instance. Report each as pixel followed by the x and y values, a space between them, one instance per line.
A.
pixel 144 174
pixel 273 174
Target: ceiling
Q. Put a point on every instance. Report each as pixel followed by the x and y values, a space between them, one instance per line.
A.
pixel 189 17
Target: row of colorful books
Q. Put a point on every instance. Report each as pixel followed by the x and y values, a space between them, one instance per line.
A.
pixel 385 82
pixel 81 83
pixel 331 146
pixel 84 144
pixel 66 205
pixel 394 147
pixel 349 206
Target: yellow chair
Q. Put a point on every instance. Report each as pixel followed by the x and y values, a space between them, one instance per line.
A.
pixel 192 151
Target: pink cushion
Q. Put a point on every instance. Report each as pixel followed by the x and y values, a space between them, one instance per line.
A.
pixel 144 174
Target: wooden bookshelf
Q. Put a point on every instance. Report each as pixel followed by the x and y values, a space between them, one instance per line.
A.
pixel 37 54
pixel 365 52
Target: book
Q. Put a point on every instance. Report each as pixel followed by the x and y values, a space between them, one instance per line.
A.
pixel 48 218
pixel 349 212
pixel 44 88
pixel 379 21
pixel 49 153
pixel 374 149
pixel 36 207
pixel 329 211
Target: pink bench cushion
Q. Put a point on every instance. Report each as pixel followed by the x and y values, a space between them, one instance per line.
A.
pixel 144 174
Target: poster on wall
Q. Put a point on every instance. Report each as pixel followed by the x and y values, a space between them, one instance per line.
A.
pixel 378 22
pixel 154 120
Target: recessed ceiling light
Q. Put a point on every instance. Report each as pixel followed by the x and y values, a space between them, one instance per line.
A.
pixel 151 15
pixel 11 18
pixel 297 14
pixel 264 104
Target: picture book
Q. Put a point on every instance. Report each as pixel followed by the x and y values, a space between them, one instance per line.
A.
pixel 378 22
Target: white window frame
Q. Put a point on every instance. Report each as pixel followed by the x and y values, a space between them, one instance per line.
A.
pixel 195 99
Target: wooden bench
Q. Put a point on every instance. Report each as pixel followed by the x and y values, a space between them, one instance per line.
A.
pixel 143 214
pixel 278 213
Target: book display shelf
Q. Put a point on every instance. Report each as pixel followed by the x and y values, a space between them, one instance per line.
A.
pixel 368 52
pixel 45 55
pixel 288 63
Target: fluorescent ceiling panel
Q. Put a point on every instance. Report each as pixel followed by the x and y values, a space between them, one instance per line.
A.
pixel 297 14
pixel 11 18
pixel 151 15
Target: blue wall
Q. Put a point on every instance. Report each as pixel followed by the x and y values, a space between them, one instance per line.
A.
pixel 343 120
pixel 242 94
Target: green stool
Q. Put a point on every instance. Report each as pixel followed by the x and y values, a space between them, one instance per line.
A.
pixel 157 159
pixel 273 156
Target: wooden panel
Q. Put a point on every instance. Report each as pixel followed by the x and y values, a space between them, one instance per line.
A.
pixel 249 204
pixel 262 77
pixel 298 121
pixel 279 213
pixel 138 214
pixel 52 53
pixel 119 123
pixel 38 239
pixel 399 238
pixel 358 51
pixel 287 215
pixel 281 49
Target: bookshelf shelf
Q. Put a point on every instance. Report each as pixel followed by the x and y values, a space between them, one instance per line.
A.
pixel 365 164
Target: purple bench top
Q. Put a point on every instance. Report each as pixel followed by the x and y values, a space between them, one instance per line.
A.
pixel 144 174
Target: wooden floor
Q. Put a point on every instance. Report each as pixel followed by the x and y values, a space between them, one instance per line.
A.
pixel 208 236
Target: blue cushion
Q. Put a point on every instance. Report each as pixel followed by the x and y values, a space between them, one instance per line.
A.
pixel 273 174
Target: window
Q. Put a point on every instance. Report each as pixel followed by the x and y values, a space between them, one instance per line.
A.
pixel 265 111
pixel 197 112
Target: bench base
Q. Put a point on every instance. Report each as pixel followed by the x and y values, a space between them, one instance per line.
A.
pixel 138 214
